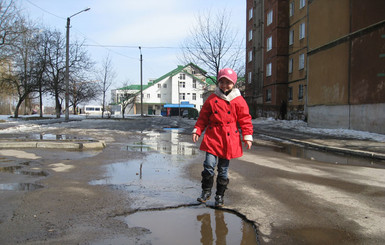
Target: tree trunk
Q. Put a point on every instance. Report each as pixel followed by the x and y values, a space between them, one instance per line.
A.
pixel 17 108
pixel 57 107
pixel 41 101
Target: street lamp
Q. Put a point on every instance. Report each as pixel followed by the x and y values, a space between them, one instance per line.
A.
pixel 141 82
pixel 67 95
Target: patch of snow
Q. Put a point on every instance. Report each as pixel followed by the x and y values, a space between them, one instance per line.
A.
pixel 302 126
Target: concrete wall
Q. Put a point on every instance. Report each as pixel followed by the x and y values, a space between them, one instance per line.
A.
pixel 368 117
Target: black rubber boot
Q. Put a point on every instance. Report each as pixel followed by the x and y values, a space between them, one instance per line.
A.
pixel 207 184
pixel 221 188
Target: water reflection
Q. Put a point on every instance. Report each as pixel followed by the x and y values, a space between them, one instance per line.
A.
pixel 20 187
pixel 17 170
pixel 166 142
pixel 195 225
pixel 43 136
pixel 329 157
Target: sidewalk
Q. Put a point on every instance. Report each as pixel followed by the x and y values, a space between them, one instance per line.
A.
pixel 352 142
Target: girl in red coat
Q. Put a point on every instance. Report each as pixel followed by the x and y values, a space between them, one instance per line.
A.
pixel 220 115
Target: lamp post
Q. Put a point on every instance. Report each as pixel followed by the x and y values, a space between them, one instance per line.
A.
pixel 66 78
pixel 141 82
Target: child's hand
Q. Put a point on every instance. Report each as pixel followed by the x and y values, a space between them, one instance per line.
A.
pixel 195 137
pixel 248 144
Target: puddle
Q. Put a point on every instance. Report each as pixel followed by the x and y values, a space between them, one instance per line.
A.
pixel 50 137
pixel 322 156
pixel 20 187
pixel 154 180
pixel 166 142
pixel 17 170
pixel 195 225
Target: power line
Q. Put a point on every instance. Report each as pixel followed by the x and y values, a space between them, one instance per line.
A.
pixel 45 10
pixel 133 47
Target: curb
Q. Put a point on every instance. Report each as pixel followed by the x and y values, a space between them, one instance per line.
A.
pixel 359 153
pixel 91 145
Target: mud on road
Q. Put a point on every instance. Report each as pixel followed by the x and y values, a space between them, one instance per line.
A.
pixel 96 197
pixel 60 196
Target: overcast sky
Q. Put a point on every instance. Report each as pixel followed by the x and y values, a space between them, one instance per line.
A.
pixel 159 26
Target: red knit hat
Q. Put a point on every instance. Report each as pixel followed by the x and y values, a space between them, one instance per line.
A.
pixel 229 74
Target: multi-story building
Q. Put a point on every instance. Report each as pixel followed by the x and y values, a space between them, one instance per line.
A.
pixel 329 67
pixel 267 59
pixel 297 59
pixel 254 56
pixel 180 88
pixel 346 64
pixel 276 34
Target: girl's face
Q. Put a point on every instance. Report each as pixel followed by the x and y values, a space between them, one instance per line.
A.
pixel 225 84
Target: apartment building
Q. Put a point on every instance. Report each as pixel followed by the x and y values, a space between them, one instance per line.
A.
pixel 180 88
pixel 254 56
pixel 323 61
pixel 346 64
pixel 267 59
pixel 297 65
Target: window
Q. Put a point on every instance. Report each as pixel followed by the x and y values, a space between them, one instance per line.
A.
pixel 290 94
pixel 182 84
pixel 182 76
pixel 159 85
pixel 250 13
pixel 250 35
pixel 290 65
pixel 250 55
pixel 291 8
pixel 148 96
pixel 269 43
pixel 300 92
pixel 182 96
pixel 250 77
pixel 268 70
pixel 194 96
pixel 301 61
pixel 165 85
pixel 291 37
pixel 268 94
pixel 302 30
pixel 302 3
pixel 194 83
pixel 269 19
pixel 159 96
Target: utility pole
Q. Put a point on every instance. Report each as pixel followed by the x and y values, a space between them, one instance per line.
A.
pixel 66 78
pixel 141 82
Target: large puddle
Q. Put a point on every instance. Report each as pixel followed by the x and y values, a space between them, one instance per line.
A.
pixel 156 182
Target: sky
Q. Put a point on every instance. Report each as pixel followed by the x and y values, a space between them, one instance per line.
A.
pixel 158 26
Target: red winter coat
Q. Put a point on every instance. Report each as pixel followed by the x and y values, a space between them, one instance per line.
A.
pixel 220 115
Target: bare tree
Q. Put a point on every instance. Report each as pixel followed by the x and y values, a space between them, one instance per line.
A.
pixel 106 77
pixel 24 69
pixel 9 18
pixel 213 45
pixel 79 64
pixel 82 92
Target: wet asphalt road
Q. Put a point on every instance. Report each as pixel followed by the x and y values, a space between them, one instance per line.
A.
pixel 82 198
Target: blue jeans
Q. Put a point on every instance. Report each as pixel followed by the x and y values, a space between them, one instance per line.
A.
pixel 210 163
